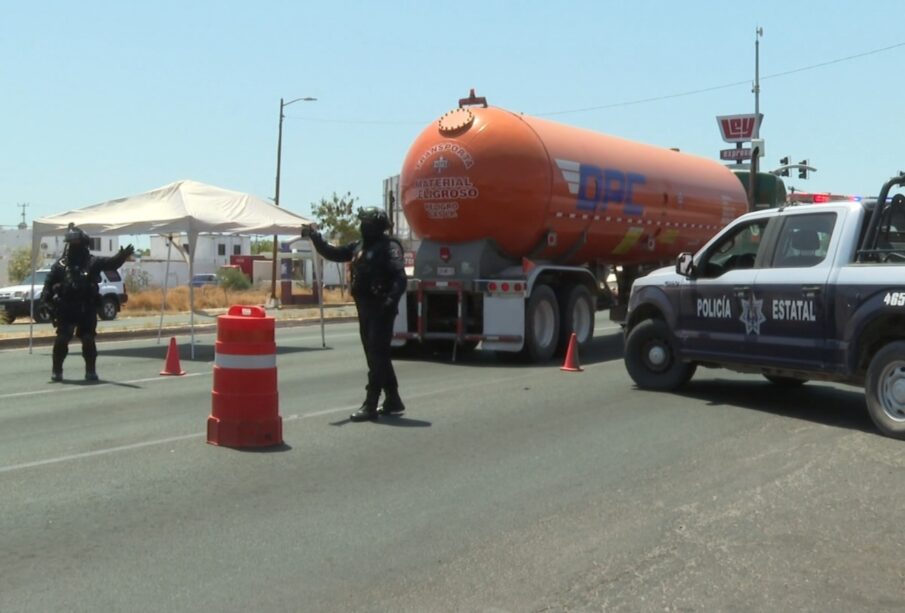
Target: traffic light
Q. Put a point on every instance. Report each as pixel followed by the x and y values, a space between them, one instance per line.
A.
pixel 785 171
pixel 803 171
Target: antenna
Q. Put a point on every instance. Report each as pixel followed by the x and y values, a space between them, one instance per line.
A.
pixel 23 206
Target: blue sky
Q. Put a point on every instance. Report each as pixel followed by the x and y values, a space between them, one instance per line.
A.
pixel 106 99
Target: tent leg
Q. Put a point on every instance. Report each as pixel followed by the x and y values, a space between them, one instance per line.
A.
pixel 166 281
pixel 192 298
pixel 31 323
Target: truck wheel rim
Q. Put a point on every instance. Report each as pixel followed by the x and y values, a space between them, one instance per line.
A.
pixel 892 391
pixel 581 320
pixel 543 325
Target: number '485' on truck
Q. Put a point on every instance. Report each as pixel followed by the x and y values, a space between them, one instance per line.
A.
pixel 813 292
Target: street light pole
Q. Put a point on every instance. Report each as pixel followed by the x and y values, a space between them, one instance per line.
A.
pixel 276 195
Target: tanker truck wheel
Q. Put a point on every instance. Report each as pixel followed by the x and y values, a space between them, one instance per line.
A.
pixel 541 325
pixel 577 315
pixel 650 357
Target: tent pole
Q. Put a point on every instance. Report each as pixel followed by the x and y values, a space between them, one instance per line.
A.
pixel 193 240
pixel 31 323
pixel 318 282
pixel 166 281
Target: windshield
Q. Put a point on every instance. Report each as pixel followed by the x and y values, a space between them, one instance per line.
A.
pixel 40 275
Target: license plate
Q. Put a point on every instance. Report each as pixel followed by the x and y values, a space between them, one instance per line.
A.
pixel 446 271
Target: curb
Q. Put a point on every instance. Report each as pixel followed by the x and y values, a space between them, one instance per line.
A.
pixel 112 335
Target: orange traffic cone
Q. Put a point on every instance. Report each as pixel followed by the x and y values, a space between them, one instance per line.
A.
pixel 172 366
pixel 571 363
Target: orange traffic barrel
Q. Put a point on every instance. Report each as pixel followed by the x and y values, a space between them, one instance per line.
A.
pixel 245 402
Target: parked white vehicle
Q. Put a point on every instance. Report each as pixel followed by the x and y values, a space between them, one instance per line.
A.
pixel 15 301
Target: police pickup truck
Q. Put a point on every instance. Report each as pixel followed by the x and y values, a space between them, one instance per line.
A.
pixel 811 292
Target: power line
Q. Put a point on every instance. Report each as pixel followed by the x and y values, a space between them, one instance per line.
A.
pixel 613 105
pixel 724 86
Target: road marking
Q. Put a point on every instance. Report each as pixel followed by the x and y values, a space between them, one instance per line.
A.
pixel 69 388
pixel 184 437
pixel 59 389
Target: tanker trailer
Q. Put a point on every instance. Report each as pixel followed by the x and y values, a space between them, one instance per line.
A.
pixel 521 220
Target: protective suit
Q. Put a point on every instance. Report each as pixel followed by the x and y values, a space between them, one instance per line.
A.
pixel 378 282
pixel 71 293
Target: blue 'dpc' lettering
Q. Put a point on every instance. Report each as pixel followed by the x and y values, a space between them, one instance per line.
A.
pixel 600 187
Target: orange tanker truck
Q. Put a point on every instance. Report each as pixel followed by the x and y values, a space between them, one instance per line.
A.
pixel 522 219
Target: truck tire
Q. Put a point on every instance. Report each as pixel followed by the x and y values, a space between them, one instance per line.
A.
pixel 577 315
pixel 108 308
pixel 42 314
pixel 650 357
pixel 541 325
pixel 885 389
pixel 6 318
pixel 785 381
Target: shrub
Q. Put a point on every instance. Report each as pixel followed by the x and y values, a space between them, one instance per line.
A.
pixel 233 279
pixel 19 264
pixel 136 280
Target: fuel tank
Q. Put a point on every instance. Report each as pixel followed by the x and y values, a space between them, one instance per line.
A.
pixel 548 191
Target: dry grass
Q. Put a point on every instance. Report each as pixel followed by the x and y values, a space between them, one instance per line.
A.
pixel 206 297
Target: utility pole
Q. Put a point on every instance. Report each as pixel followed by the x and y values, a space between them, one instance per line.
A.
pixel 276 197
pixel 756 142
pixel 23 206
pixel 758 33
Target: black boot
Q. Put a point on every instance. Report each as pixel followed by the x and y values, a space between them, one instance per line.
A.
pixel 90 370
pixel 392 404
pixel 367 412
pixel 56 373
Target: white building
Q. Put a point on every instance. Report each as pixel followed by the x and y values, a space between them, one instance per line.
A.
pixel 212 251
pixel 12 239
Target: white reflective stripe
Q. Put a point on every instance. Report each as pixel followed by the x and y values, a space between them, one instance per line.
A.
pixel 246 362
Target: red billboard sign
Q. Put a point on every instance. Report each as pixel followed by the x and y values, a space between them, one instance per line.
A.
pixel 738 128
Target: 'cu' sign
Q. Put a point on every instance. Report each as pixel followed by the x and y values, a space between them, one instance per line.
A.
pixel 737 128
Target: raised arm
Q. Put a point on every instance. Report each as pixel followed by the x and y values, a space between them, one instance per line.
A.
pixel 333 253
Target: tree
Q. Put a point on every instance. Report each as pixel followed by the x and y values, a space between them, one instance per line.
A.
pixel 19 264
pixel 262 246
pixel 336 218
pixel 233 279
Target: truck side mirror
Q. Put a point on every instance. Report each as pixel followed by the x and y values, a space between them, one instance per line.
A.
pixel 685 264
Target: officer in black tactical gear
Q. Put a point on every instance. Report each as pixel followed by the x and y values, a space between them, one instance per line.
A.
pixel 71 293
pixel 378 282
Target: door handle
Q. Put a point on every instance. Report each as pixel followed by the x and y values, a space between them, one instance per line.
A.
pixel 811 290
pixel 741 290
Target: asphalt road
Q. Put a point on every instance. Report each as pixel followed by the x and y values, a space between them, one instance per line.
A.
pixel 505 487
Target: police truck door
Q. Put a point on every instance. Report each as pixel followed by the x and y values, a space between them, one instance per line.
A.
pixel 788 315
pixel 710 312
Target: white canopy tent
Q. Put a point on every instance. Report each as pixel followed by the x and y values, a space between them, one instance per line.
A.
pixel 184 206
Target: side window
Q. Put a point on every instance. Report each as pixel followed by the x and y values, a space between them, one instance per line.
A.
pixel 804 240
pixel 737 250
pixel 113 276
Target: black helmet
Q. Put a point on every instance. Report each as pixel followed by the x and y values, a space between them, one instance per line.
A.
pixel 375 215
pixel 76 235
